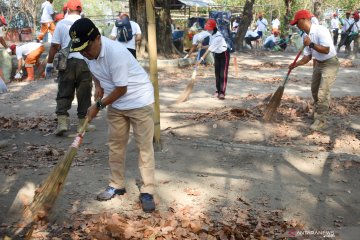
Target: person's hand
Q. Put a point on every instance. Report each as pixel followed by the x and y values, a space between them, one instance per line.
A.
pixel 292 66
pixel 99 92
pixel 186 56
pixel 92 112
pixel 49 69
pixel 8 50
pixel 307 41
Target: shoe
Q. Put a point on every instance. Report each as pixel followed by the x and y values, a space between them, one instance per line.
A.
pixel 221 96
pixel 62 125
pixel 216 94
pixel 318 125
pixel 147 202
pixel 109 193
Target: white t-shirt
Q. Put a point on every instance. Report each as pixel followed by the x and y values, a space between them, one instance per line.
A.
pixel 356 27
pixel 251 34
pixel 26 49
pixel 346 24
pixel 199 37
pixel 1 32
pixel 47 11
pixel 117 67
pixel 135 30
pixel 275 23
pixel 335 23
pixel 61 34
pixel 271 38
pixel 217 43
pixel 262 25
pixel 320 35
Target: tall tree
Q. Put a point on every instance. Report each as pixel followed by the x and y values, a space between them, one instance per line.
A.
pixel 245 21
pixel 163 27
pixel 288 13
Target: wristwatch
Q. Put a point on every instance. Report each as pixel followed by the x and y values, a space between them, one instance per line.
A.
pixel 311 45
pixel 100 105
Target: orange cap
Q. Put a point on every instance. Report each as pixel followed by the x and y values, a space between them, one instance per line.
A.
pixel 74 5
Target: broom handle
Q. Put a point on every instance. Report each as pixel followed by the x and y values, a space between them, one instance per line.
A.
pixel 83 127
pixel 289 71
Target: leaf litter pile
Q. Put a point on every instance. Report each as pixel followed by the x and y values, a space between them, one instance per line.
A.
pixel 42 123
pixel 177 222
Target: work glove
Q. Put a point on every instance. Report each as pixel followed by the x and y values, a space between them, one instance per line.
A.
pixel 18 75
pixel 48 70
pixel 186 56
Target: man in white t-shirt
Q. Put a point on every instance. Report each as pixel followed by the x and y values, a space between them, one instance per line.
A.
pixel 75 79
pixel 129 96
pixel 200 39
pixel 346 23
pixel 261 25
pixel 135 41
pixel 270 41
pixel 47 19
pixel 32 51
pixel 275 24
pixel 319 45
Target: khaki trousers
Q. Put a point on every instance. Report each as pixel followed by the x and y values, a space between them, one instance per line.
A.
pixel 141 120
pixel 324 76
pixel 45 27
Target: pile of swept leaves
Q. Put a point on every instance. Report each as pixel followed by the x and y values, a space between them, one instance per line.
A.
pixel 291 108
pixel 177 223
pixel 42 123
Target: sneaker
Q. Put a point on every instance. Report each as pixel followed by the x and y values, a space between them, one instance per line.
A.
pixel 318 125
pixel 221 96
pixel 109 193
pixel 147 202
pixel 216 94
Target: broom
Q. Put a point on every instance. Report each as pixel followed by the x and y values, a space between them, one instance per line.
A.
pixel 187 91
pixel 46 195
pixel 275 100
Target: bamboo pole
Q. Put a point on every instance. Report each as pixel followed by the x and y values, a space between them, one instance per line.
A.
pixel 154 70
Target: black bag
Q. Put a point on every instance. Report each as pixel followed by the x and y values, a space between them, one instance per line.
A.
pixel 124 30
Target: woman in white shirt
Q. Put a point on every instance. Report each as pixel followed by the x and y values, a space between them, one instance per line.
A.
pixel 219 47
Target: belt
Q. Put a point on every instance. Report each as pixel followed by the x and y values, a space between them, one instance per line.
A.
pixel 326 59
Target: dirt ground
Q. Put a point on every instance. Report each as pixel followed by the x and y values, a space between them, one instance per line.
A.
pixel 222 173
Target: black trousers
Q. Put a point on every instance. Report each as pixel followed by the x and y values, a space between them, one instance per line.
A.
pixel 248 40
pixel 335 35
pixel 75 79
pixel 221 70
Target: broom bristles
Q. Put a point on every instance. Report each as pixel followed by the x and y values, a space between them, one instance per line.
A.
pixel 187 91
pixel 273 104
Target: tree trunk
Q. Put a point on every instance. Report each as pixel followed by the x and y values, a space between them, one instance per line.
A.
pixel 287 16
pixel 163 28
pixel 245 22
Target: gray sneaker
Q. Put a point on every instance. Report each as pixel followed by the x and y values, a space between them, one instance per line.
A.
pixel 109 193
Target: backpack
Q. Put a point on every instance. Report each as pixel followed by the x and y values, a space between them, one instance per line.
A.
pixel 124 30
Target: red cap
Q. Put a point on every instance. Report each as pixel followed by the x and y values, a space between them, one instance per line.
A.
pixel 58 17
pixel 13 47
pixel 301 14
pixel 210 24
pixel 74 5
pixel 335 14
pixel 65 7
pixel 356 15
pixel 2 19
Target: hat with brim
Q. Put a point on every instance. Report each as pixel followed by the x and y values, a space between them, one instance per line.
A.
pixel 81 32
pixel 301 14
